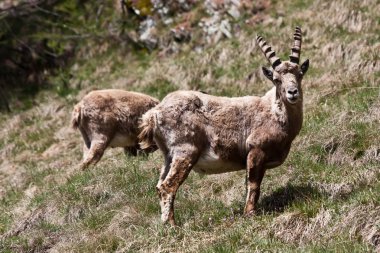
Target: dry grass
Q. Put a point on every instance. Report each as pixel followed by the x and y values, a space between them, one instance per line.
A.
pixel 324 198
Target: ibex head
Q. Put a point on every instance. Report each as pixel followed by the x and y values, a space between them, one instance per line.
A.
pixel 287 75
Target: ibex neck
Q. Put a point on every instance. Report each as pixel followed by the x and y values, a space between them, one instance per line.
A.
pixel 295 119
pixel 289 116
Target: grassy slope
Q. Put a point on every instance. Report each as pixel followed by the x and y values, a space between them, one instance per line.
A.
pixel 325 196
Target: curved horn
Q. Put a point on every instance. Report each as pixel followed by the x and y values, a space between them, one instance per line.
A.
pixel 268 52
pixel 296 49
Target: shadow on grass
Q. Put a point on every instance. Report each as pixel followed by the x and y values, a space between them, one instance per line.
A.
pixel 285 196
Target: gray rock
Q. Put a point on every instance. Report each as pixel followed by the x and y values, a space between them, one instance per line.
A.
pixel 148 34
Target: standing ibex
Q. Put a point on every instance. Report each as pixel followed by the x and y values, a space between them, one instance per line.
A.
pixel 219 134
pixel 110 118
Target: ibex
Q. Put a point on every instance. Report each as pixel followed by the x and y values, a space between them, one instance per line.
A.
pixel 110 118
pixel 218 134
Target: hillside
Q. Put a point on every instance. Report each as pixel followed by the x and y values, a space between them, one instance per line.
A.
pixel 325 197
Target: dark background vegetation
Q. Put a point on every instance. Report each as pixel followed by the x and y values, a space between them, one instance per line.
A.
pixel 39 39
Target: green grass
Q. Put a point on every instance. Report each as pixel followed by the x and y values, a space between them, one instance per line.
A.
pixel 159 88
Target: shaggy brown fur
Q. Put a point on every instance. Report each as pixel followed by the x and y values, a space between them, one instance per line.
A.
pixel 218 134
pixel 110 118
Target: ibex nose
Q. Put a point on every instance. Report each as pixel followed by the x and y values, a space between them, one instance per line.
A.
pixel 293 91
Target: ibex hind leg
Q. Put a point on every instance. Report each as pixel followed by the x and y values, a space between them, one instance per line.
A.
pixel 95 152
pixel 164 172
pixel 180 167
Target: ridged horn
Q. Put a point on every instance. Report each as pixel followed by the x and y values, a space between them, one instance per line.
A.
pixel 296 49
pixel 268 52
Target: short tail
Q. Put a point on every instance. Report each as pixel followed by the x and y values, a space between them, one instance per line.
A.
pixel 147 127
pixel 76 116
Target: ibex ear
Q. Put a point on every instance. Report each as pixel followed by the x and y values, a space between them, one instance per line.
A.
pixel 305 67
pixel 267 73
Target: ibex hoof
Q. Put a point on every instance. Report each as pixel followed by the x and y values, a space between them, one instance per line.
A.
pixel 250 213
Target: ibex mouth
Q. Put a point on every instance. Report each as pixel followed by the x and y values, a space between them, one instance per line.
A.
pixel 292 98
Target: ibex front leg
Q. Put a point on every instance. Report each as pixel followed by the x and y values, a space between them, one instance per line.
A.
pixel 256 171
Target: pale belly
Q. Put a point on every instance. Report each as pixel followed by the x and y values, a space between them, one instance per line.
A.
pixel 122 140
pixel 210 163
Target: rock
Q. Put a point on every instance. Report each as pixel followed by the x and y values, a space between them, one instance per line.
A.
pixel 165 8
pixel 198 49
pixel 225 28
pixel 148 34
pixel 234 12
pixel 185 5
pixel 237 3
pixel 213 6
pixel 215 28
pixel 168 21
